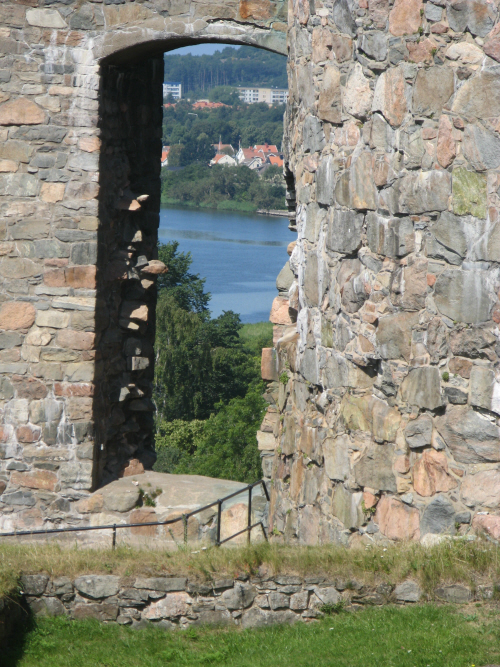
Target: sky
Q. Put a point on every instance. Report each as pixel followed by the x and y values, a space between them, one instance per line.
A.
pixel 198 50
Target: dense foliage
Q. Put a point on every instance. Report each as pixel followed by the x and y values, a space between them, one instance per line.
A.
pixel 246 123
pixel 244 66
pixel 208 390
pixel 221 187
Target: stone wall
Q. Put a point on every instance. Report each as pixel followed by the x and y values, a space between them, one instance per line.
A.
pixel 387 419
pixel 80 144
pixel 178 602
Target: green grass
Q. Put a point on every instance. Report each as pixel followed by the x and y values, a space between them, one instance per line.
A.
pixel 256 336
pixel 380 637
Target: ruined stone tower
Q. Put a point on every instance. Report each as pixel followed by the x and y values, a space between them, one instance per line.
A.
pixel 386 422
pixel 388 410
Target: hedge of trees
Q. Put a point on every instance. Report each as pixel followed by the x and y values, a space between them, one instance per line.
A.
pixel 224 188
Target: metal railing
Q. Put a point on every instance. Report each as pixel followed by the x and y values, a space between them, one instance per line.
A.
pixel 184 518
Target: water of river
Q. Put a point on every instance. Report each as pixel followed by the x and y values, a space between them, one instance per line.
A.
pixel 239 254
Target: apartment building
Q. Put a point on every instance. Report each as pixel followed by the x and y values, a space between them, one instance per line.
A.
pixel 266 95
pixel 173 88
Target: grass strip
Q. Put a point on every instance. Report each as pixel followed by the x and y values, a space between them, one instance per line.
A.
pixel 455 561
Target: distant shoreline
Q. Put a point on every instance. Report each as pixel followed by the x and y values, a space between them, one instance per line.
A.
pixel 238 208
pixel 278 212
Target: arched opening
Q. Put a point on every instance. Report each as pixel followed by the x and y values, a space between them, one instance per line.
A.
pixel 130 119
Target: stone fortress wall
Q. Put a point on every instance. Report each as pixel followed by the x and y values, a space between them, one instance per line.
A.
pixel 387 421
pixel 385 405
pixel 80 146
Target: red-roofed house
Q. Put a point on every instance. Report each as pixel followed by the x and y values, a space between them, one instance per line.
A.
pixel 267 148
pixel 205 104
pixel 164 156
pixel 275 160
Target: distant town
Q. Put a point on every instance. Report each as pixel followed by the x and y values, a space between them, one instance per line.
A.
pixel 258 157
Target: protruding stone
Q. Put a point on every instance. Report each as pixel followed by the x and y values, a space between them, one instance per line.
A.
pixel 438 517
pixel 391 237
pixel 487 524
pixel 405 17
pixel 21 111
pixel 374 44
pixel 336 456
pixel 355 187
pixel 433 89
pixel 430 474
pixel 396 520
pixel 358 96
pixel 45 18
pixel 408 591
pixel 446 149
pixel 419 192
pixel 471 437
pixel 97 586
pixel 344 231
pixel 154 268
pixel 469 192
pixel 280 311
pixel 481 489
pixel 16 315
pixel 481 147
pixel 330 99
pixel 346 506
pixel 37 479
pixel 389 97
pixel 422 388
pixel 269 367
pixel 484 389
pixel 394 335
pixel 462 296
pixel 479 96
pixel 418 433
pixel 374 469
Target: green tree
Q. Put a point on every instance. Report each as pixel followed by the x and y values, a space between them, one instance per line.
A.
pixel 197 149
pixel 186 288
pixel 225 94
pixel 199 361
pixel 222 446
pixel 174 155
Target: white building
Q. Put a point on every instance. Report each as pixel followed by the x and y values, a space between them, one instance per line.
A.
pixel 223 159
pixel 173 88
pixel 266 95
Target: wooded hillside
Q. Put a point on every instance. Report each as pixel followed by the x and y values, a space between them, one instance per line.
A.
pixel 244 66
